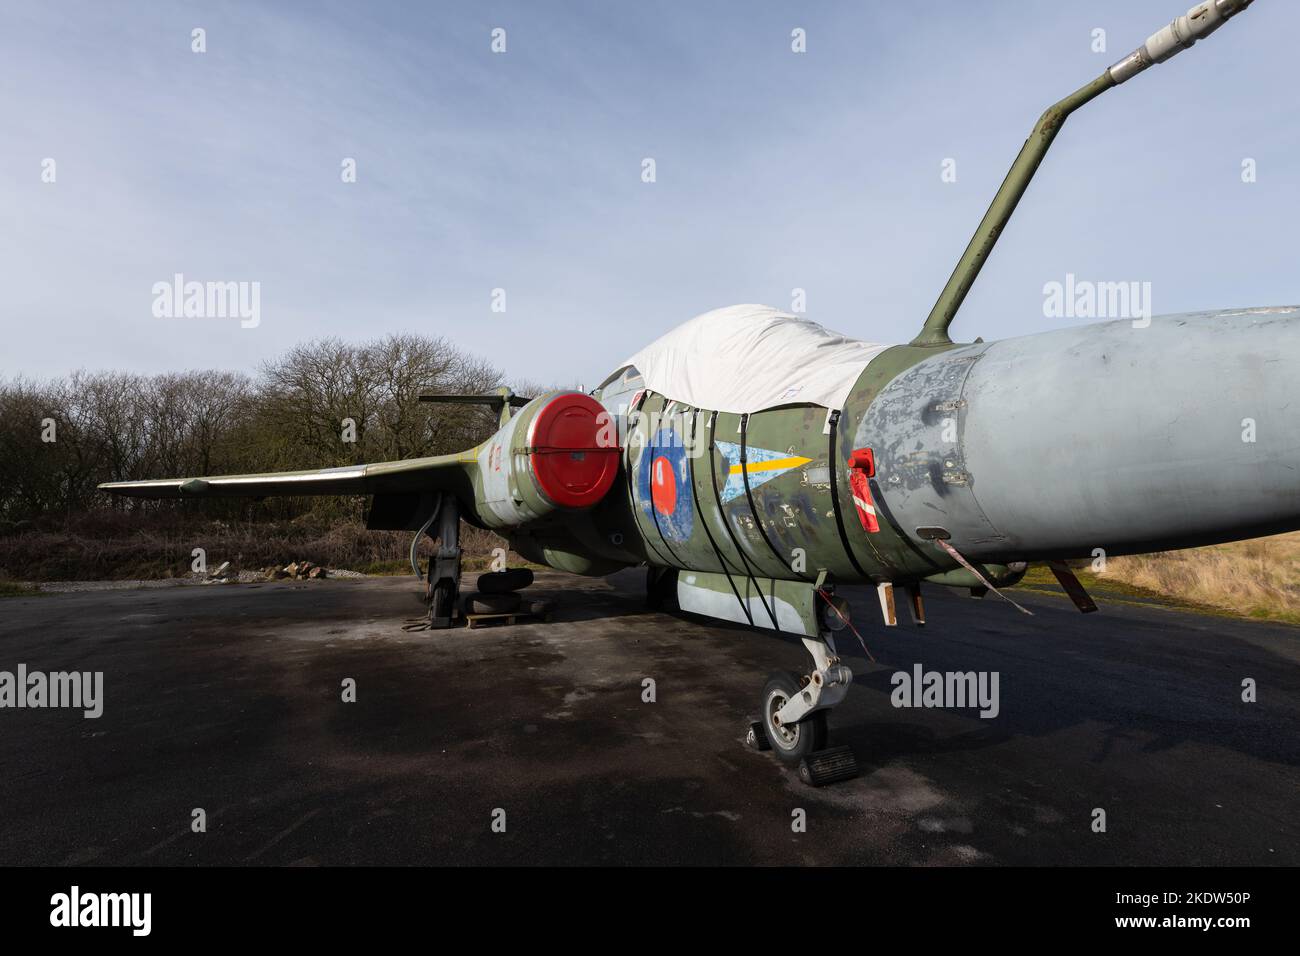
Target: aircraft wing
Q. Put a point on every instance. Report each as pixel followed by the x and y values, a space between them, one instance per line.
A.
pixel 440 473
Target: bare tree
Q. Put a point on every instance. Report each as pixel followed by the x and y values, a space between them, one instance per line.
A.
pixel 116 426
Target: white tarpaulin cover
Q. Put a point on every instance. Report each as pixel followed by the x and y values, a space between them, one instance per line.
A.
pixel 745 358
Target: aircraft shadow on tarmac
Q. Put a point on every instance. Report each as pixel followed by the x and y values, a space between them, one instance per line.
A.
pixel 1159 677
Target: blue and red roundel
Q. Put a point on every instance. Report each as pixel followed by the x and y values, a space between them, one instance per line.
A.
pixel 664 486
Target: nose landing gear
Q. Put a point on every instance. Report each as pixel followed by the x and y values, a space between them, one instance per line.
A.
pixel 793 717
pixel 792 741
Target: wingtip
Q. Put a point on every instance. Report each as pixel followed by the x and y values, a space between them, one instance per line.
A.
pixel 150 489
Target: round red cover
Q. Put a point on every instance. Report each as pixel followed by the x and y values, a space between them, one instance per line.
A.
pixel 574 450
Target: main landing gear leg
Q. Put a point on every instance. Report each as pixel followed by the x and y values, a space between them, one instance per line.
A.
pixel 444 569
pixel 793 722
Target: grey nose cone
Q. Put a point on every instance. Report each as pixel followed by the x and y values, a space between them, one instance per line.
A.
pixel 1180 433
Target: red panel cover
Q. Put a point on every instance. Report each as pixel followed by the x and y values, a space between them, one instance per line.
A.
pixel 571 466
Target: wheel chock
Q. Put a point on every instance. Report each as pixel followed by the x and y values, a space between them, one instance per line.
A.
pixel 828 766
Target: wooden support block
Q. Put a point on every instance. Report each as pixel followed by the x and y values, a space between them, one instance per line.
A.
pixel 915 605
pixel 506 617
pixel 886 592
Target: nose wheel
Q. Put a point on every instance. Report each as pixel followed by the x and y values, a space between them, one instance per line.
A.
pixel 792 722
pixel 790 742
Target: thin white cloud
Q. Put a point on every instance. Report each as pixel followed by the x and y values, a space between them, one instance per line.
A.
pixel 775 170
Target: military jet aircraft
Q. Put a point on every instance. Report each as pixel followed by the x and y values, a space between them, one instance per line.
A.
pixel 753 460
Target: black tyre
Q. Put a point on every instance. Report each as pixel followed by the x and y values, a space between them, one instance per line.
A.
pixel 503 582
pixel 790 743
pixel 492 603
pixel 442 601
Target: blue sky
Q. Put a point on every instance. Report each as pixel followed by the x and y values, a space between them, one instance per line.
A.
pixel 522 170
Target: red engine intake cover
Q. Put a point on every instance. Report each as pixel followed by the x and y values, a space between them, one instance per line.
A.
pixel 570 464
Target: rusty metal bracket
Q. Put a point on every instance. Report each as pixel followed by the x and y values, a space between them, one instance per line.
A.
pixel 1072 586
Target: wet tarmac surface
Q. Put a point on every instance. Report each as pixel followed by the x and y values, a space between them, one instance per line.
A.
pixel 229 698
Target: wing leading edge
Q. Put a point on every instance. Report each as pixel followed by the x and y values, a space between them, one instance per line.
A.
pixel 440 473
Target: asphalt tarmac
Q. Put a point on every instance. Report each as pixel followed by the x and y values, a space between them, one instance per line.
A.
pixel 228 698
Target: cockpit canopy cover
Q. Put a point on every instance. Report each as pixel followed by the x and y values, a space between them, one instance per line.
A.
pixel 745 358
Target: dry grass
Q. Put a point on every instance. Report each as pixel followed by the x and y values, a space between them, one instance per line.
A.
pixel 116 547
pixel 16 589
pixel 1257 578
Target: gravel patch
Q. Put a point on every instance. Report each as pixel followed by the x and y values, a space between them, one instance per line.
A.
pixel 243 577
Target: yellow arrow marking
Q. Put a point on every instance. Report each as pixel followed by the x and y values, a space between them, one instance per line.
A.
pixel 776 464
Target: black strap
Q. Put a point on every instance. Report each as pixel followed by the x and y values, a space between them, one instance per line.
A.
pixel 717 496
pixel 835 497
pixel 749 495
pixel 722 563
pixel 631 479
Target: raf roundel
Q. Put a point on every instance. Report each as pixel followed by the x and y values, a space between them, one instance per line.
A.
pixel 664 486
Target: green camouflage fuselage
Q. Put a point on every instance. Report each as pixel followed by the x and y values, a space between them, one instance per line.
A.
pixel 791 526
